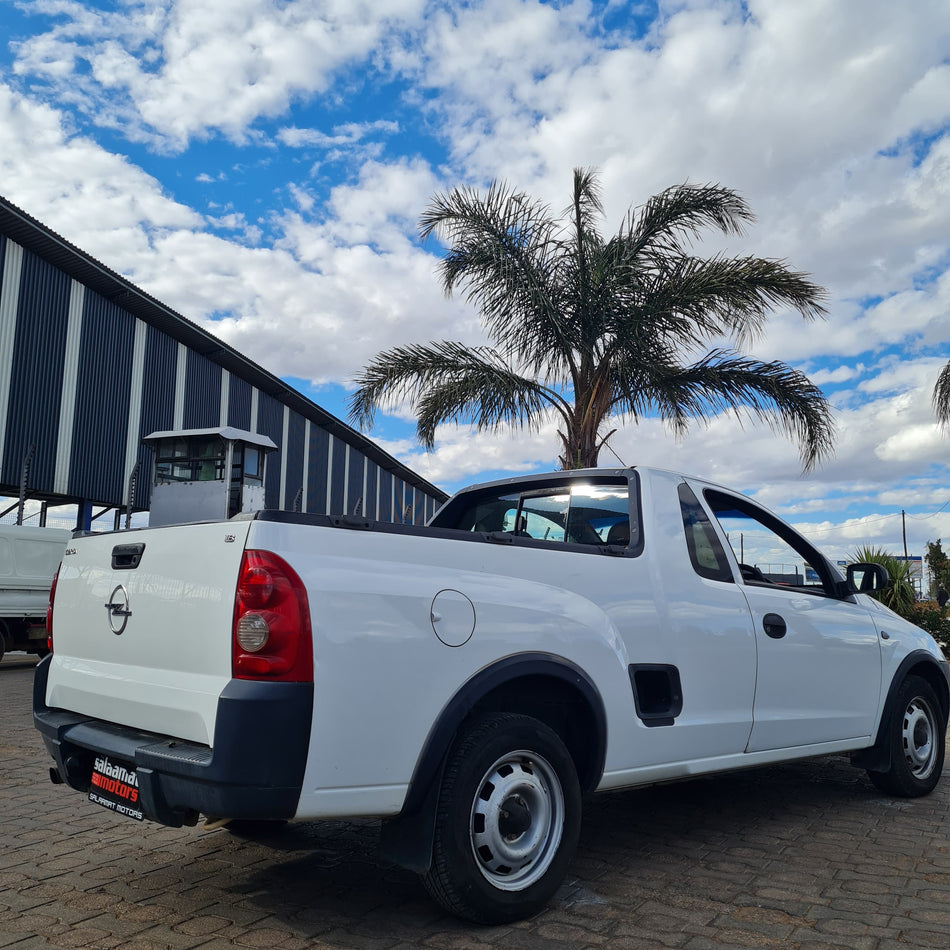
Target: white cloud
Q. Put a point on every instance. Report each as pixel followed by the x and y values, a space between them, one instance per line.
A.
pixel 346 134
pixel 318 305
pixel 96 198
pixel 839 375
pixel 462 456
pixel 831 119
pixel 168 72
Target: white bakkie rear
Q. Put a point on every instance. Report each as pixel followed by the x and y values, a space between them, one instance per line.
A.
pixel 468 681
pixel 169 681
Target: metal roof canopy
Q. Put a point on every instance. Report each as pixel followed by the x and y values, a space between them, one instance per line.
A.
pixel 226 432
pixel 46 243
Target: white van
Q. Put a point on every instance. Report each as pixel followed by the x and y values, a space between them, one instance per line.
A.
pixel 29 557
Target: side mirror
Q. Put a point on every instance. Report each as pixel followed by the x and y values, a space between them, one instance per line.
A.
pixel 866 578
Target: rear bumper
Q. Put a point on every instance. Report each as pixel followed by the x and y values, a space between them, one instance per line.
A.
pixel 253 770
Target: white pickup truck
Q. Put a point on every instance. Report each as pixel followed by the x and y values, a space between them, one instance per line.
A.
pixel 470 680
pixel 29 557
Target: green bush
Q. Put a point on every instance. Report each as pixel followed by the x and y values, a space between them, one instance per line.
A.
pixel 899 594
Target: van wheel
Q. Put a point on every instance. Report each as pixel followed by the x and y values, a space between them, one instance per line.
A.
pixel 915 735
pixel 507 822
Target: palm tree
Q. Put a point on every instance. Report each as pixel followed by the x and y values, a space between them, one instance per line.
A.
pixel 899 594
pixel 941 397
pixel 592 328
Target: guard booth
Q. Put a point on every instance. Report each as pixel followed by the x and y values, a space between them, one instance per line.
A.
pixel 206 474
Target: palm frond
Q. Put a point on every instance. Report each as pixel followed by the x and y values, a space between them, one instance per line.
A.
pixel 680 213
pixel 941 396
pixel 504 251
pixel 695 300
pixel 770 392
pixel 586 205
pixel 446 380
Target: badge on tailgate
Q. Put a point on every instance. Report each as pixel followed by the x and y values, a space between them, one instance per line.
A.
pixel 118 608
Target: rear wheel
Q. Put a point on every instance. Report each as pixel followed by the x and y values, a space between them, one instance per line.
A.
pixel 507 822
pixel 915 733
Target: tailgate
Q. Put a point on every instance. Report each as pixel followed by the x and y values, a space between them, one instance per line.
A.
pixel 146 641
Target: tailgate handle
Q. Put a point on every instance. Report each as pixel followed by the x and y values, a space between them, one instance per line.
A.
pixel 351 521
pixel 126 557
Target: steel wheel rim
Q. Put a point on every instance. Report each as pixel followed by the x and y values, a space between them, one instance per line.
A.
pixel 517 820
pixel 918 736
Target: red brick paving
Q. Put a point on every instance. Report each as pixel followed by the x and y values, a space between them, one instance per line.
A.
pixel 801 856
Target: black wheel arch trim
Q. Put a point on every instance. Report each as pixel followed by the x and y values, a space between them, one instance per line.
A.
pixel 407 839
pixel 877 758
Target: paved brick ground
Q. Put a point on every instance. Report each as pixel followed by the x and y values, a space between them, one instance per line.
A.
pixel 801 856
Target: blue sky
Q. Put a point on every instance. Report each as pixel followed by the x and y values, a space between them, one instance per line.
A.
pixel 261 165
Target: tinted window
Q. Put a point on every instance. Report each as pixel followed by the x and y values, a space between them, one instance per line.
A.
pixel 190 459
pixel 705 551
pixel 584 513
pixel 769 552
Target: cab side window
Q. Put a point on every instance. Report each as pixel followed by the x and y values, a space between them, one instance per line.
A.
pixel 705 551
pixel 769 552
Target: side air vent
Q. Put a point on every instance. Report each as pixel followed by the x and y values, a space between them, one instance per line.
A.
pixel 657 693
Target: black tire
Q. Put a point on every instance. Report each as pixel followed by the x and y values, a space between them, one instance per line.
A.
pixel 508 820
pixel 915 733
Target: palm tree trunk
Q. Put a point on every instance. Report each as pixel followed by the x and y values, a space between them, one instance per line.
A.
pixel 580 441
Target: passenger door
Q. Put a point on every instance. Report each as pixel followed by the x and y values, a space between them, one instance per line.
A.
pixel 818 669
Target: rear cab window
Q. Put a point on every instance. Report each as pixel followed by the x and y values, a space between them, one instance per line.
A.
pixel 592 513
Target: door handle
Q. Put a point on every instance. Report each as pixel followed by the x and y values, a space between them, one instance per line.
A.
pixel 774 626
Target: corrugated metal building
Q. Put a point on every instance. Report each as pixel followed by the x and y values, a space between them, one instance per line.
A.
pixel 90 364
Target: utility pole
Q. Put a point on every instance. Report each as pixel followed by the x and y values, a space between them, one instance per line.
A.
pixel 904 530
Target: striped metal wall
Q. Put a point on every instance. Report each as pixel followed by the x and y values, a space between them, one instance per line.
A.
pixel 84 380
pixel 202 409
pixel 98 381
pixel 239 403
pixel 35 378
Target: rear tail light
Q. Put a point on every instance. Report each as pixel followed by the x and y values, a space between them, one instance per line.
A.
pixel 49 612
pixel 272 639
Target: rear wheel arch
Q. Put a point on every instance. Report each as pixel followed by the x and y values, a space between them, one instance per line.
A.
pixel 545 687
pixel 574 714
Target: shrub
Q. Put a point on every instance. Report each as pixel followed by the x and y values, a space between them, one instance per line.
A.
pixel 899 594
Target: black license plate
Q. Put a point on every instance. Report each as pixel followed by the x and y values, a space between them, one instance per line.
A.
pixel 115 785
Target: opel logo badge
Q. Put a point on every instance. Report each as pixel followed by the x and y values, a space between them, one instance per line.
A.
pixel 118 608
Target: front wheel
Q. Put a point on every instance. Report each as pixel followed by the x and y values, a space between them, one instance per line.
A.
pixel 508 820
pixel 915 734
